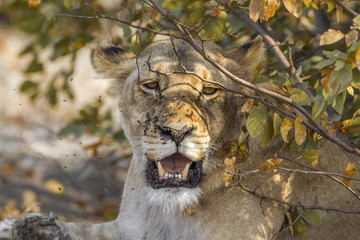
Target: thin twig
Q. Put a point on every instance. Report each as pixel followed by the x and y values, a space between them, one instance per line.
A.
pixel 290 225
pixel 316 169
pixel 316 173
pixel 346 8
pixel 299 205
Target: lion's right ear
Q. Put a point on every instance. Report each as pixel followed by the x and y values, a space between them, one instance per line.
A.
pixel 112 62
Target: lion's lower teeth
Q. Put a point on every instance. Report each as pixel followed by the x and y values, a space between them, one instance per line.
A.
pixel 172 175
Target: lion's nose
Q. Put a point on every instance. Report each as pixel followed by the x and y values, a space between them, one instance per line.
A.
pixel 176 135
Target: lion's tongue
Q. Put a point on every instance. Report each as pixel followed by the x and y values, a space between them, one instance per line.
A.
pixel 175 163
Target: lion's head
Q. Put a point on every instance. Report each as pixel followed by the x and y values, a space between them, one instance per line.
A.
pixel 174 120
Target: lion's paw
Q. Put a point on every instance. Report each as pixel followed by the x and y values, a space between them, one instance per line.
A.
pixel 37 227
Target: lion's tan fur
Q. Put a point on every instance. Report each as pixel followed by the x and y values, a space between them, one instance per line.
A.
pixel 220 212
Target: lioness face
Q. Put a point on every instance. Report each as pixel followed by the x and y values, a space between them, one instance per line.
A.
pixel 174 120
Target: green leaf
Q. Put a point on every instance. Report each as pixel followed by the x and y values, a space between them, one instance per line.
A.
pixel 27 85
pixel 356 79
pixel 299 96
pixel 311 152
pixel 276 125
pixel 299 226
pixel 68 4
pixel 35 66
pixel 339 64
pixel 52 94
pixel 338 103
pixel 268 131
pixel 325 63
pixel 334 83
pixel 311 217
pixel 72 129
pixel 319 107
pixel 346 77
pixel 256 121
pixel 354 126
pixel 335 54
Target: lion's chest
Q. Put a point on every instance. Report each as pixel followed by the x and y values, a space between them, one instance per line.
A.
pixel 162 226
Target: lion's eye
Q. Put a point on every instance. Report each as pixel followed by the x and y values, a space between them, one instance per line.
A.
pixel 151 85
pixel 209 90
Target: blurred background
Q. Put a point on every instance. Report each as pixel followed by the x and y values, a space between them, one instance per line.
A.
pixel 61 145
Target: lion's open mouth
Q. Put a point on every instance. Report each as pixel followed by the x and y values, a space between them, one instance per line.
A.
pixel 174 171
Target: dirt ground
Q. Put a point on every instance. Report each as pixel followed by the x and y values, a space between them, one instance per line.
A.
pixel 40 172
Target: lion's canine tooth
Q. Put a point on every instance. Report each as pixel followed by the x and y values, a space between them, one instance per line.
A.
pixel 160 170
pixel 185 171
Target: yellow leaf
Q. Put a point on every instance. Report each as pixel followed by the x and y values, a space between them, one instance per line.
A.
pixel 269 164
pixel 286 126
pixel 350 90
pixel 229 170
pixel 349 171
pixel 255 9
pixel 270 9
pixel 33 3
pixel 351 37
pixel 294 7
pixel 331 5
pixel 248 106
pixel 54 186
pixel 300 131
pixel 307 3
pixel 331 36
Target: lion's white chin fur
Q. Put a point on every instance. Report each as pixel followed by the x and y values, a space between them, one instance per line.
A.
pixel 171 200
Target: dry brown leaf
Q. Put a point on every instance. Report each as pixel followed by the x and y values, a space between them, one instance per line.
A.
pixel 269 164
pixel 33 3
pixel 152 13
pixel 216 11
pixel 331 36
pixel 349 171
pixel 229 170
pixel 300 131
pixel 294 7
pixel 189 211
pixel 331 130
pixel 325 73
pixel 255 9
pixel 270 8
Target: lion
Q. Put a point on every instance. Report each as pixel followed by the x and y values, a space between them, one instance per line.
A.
pixel 176 115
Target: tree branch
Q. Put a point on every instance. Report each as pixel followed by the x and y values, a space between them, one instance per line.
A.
pixel 346 8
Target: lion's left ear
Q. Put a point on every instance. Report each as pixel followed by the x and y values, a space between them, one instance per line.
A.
pixel 112 62
pixel 247 56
